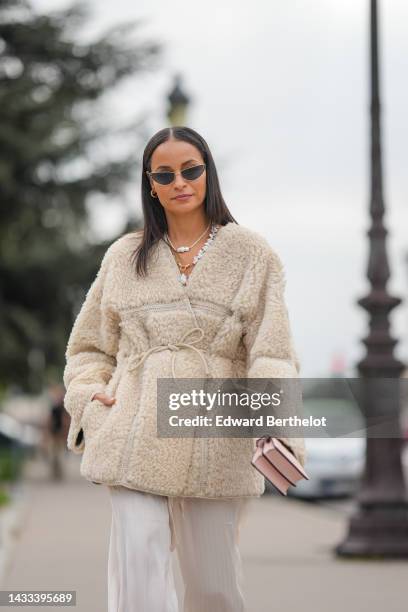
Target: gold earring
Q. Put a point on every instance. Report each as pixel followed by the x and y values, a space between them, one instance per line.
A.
pixel 154 195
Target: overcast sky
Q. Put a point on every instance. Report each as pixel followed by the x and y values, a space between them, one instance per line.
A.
pixel 280 93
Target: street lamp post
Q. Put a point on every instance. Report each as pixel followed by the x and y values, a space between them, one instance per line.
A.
pixel 178 103
pixel 379 526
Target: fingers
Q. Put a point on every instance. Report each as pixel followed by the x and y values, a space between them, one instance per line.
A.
pixel 108 401
pixel 263 440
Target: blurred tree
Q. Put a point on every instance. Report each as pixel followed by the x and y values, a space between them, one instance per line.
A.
pixel 56 150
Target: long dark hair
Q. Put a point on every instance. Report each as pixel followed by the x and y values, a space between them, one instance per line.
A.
pixel 155 223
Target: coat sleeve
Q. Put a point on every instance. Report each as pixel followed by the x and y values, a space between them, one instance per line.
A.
pixel 90 354
pixel 268 338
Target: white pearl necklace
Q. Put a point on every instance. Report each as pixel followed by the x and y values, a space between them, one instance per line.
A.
pixel 214 229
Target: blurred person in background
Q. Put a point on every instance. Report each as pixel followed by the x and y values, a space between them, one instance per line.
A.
pixel 56 431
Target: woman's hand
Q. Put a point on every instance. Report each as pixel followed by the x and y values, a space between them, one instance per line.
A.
pixel 261 441
pixel 108 401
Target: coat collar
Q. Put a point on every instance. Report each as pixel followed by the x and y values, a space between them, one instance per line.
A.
pixel 214 252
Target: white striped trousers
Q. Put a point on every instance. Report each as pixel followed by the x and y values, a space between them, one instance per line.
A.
pixel 145 530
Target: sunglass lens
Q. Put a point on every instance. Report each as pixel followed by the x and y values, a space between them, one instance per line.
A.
pixel 193 173
pixel 163 178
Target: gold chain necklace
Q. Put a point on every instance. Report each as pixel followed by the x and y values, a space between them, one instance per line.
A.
pixel 183 267
pixel 185 249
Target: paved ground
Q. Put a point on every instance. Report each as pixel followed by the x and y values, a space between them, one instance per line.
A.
pixel 286 546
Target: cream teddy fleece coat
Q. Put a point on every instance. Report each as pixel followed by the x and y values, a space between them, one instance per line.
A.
pixel 123 339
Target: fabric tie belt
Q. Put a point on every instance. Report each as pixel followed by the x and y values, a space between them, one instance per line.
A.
pixel 133 364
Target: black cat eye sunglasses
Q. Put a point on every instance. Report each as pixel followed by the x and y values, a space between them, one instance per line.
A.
pixel 165 178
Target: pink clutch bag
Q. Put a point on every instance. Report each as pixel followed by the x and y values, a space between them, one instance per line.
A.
pixel 276 462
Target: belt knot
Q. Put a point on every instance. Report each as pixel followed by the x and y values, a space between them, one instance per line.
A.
pixel 136 360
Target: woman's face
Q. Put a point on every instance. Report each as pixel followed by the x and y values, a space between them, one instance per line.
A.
pixel 176 155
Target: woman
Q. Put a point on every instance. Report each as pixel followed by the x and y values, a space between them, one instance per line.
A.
pixel 156 310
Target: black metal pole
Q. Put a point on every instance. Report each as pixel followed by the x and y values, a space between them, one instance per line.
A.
pixel 379 526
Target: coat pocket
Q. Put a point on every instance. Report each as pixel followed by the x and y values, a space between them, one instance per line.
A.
pixel 94 415
pixel 96 412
